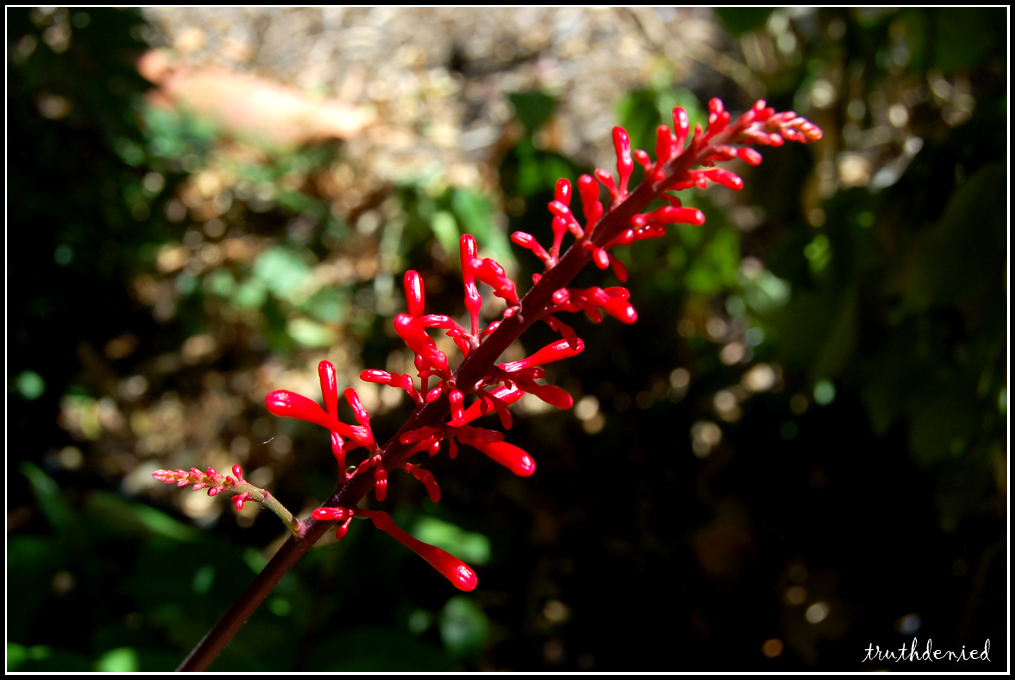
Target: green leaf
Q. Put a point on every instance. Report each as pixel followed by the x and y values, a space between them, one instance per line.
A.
pixel 16 655
pixel 740 20
pixel 964 252
pixel 122 660
pixel 51 501
pixel 310 333
pixel 282 270
pixel 476 215
pixel 119 517
pixel 445 229
pixel 464 626
pixel 532 108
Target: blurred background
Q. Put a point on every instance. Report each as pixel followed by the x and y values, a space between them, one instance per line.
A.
pixel 799 450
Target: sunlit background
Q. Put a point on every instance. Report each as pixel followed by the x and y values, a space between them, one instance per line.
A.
pixel 798 450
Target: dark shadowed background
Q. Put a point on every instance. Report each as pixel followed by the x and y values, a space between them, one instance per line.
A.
pixel 797 452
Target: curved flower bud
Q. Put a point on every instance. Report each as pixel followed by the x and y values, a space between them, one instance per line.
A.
pixel 625 166
pixel 411 330
pixel 459 573
pixel 591 207
pixel 555 351
pixel 473 301
pixel 508 455
pixel 288 404
pixel 426 477
pixel 414 296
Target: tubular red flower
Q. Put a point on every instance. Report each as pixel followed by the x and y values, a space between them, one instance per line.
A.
pixel 591 207
pixel 555 351
pixel 473 301
pixel 508 455
pixel 288 404
pixel 426 477
pixel 622 145
pixel 411 330
pixel 459 573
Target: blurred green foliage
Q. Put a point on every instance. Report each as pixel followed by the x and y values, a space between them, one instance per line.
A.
pixel 814 395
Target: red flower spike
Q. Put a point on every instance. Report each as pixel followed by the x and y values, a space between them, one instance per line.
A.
pixel 414 295
pixel 473 301
pixel 288 404
pixel 591 207
pixel 555 351
pixel 452 568
pixel 625 166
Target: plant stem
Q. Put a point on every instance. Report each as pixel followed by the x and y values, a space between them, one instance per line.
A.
pixel 467 377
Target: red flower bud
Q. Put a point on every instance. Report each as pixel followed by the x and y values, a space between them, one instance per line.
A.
pixel 291 405
pixel 622 145
pixel 508 455
pixel 555 351
pixel 414 296
pixel 452 568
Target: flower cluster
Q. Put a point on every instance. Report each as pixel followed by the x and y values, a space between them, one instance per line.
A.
pixel 683 159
